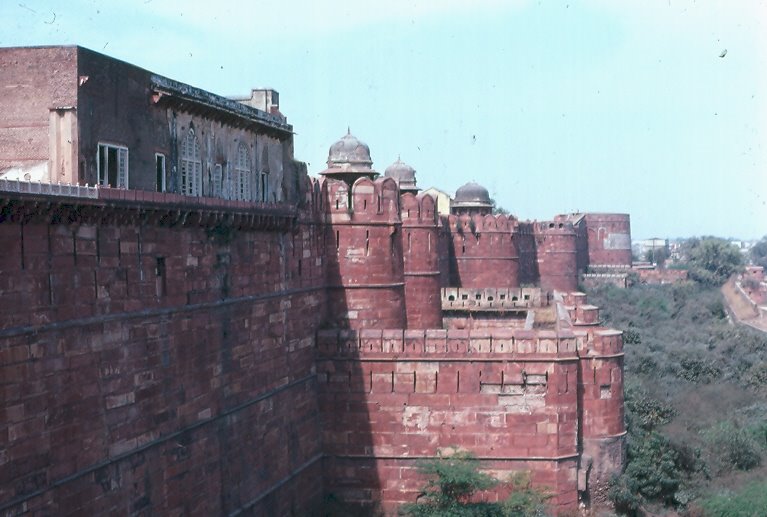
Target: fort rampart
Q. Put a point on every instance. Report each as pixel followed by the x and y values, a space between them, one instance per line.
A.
pixel 158 354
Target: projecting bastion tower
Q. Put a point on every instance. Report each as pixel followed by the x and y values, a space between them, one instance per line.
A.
pixel 436 345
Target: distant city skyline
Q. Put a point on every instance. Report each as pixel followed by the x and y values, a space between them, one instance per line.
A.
pixel 656 109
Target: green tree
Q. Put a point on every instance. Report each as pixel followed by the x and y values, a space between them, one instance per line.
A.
pixel 454 482
pixel 656 255
pixel 712 260
pixel 759 253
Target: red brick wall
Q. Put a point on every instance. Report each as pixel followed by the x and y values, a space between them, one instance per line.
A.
pixel 365 259
pixel 661 276
pixel 389 398
pixel 524 240
pixel 420 236
pixel 556 248
pixel 601 386
pixel 34 81
pixel 483 253
pixel 116 400
pixel 609 238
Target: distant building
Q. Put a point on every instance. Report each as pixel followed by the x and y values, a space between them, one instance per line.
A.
pixel 443 200
pixel 641 247
pixel 100 121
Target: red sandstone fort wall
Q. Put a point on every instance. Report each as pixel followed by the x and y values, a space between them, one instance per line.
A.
pixel 524 241
pixel 556 251
pixel 158 352
pixel 420 236
pixel 155 360
pixel 609 239
pixel 482 251
pixel 364 248
pixel 392 397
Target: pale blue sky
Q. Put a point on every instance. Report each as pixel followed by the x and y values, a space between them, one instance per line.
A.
pixel 594 105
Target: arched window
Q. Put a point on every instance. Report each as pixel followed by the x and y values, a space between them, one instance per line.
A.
pixel 191 166
pixel 242 173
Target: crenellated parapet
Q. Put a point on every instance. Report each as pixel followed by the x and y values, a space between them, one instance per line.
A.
pixel 476 344
pixel 483 251
pixel 418 210
pixel 366 201
pixel 314 198
pixel 478 224
pixel 500 299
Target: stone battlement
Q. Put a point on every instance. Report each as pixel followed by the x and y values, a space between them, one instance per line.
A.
pixel 472 344
pixel 467 299
pixel 366 201
pixel 421 208
pixel 474 224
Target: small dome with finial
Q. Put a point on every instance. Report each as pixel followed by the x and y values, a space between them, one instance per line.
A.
pixel 403 174
pixel 349 159
pixel 349 150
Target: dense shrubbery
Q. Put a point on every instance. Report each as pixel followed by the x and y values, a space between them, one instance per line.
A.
pixel 644 411
pixel 695 386
pixel 759 253
pixel 733 447
pixel 453 484
pixel 681 333
pixel 748 502
pixel 656 468
pixel 653 473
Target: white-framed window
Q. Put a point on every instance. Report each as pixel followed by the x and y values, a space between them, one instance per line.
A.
pixel 159 160
pixel 112 165
pixel 242 173
pixel 191 166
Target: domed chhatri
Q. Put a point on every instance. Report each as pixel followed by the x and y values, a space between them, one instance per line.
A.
pixel 403 174
pixel 349 159
pixel 349 150
pixel 472 198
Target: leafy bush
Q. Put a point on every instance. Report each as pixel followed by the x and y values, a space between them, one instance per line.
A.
pixel 652 474
pixel 751 501
pixel 644 411
pixel 697 370
pixel 454 482
pixel 631 337
pixel 756 375
pixel 734 447
pixel 524 500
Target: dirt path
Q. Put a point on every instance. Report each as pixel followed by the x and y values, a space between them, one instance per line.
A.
pixel 739 308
